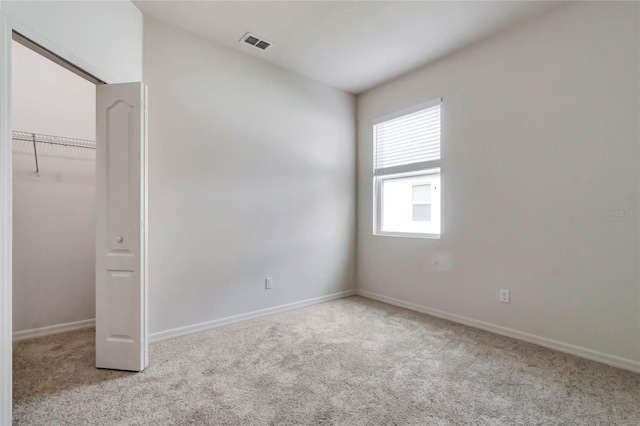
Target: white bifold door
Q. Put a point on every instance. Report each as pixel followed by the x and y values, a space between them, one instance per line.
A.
pixel 121 236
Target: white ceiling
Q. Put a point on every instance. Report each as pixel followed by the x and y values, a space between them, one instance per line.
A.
pixel 354 45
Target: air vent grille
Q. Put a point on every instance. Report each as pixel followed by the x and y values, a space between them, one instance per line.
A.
pixel 251 40
pixel 262 44
pixel 255 41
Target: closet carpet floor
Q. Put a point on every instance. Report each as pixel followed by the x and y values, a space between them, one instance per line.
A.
pixel 347 362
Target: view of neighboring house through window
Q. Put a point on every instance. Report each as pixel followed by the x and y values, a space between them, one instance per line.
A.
pixel 421 196
pixel 407 172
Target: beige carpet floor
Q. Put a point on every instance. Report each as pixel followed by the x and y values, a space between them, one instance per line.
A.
pixel 347 362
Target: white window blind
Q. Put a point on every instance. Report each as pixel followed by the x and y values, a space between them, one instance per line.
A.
pixel 408 140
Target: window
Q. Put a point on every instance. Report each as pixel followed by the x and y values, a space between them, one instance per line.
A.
pixel 407 172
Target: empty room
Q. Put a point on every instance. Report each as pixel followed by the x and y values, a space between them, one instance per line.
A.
pixel 319 212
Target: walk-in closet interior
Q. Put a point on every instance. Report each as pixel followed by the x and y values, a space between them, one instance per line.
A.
pixel 53 123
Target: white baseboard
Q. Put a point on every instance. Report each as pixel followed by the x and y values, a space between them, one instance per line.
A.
pixel 181 331
pixel 53 329
pixel 613 360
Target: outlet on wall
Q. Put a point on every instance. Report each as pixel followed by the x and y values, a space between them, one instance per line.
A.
pixel 268 283
pixel 504 295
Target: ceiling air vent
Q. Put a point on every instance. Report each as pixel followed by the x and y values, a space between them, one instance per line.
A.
pixel 255 41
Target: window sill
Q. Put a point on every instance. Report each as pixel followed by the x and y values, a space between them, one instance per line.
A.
pixel 407 235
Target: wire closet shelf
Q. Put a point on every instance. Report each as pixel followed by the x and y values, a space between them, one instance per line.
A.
pixel 53 140
pixel 36 138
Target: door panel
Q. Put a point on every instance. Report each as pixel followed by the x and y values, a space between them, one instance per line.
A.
pixel 121 282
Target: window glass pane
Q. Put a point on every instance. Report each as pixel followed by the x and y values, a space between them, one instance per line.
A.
pixel 421 212
pixel 402 203
pixel 421 194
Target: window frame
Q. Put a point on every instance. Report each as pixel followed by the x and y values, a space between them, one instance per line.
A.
pixel 408 170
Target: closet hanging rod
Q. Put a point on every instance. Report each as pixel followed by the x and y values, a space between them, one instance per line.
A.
pixel 53 140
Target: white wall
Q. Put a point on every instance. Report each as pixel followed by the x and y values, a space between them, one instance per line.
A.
pixel 49 99
pixel 540 139
pixel 6 332
pixel 53 213
pixel 102 37
pixel 251 174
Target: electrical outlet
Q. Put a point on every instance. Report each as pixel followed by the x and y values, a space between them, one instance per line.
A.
pixel 268 283
pixel 504 296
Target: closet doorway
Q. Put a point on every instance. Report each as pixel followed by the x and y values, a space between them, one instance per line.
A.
pixel 79 150
pixel 54 232
pixel 54 189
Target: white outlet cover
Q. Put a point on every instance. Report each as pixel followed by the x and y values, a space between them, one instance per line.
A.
pixel 504 296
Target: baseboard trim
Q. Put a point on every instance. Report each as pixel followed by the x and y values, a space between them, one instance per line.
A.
pixel 612 360
pixel 181 331
pixel 53 329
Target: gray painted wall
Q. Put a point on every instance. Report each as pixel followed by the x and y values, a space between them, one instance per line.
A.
pixel 251 174
pixel 540 141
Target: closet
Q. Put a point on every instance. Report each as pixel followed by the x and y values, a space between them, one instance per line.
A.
pixel 53 123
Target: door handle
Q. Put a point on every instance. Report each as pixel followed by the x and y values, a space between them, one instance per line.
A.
pixel 119 239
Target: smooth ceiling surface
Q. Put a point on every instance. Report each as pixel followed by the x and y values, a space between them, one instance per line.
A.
pixel 352 46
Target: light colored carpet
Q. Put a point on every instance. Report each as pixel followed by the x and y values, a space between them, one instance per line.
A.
pixel 347 362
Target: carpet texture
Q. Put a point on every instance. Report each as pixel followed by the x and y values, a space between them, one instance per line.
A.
pixel 346 362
